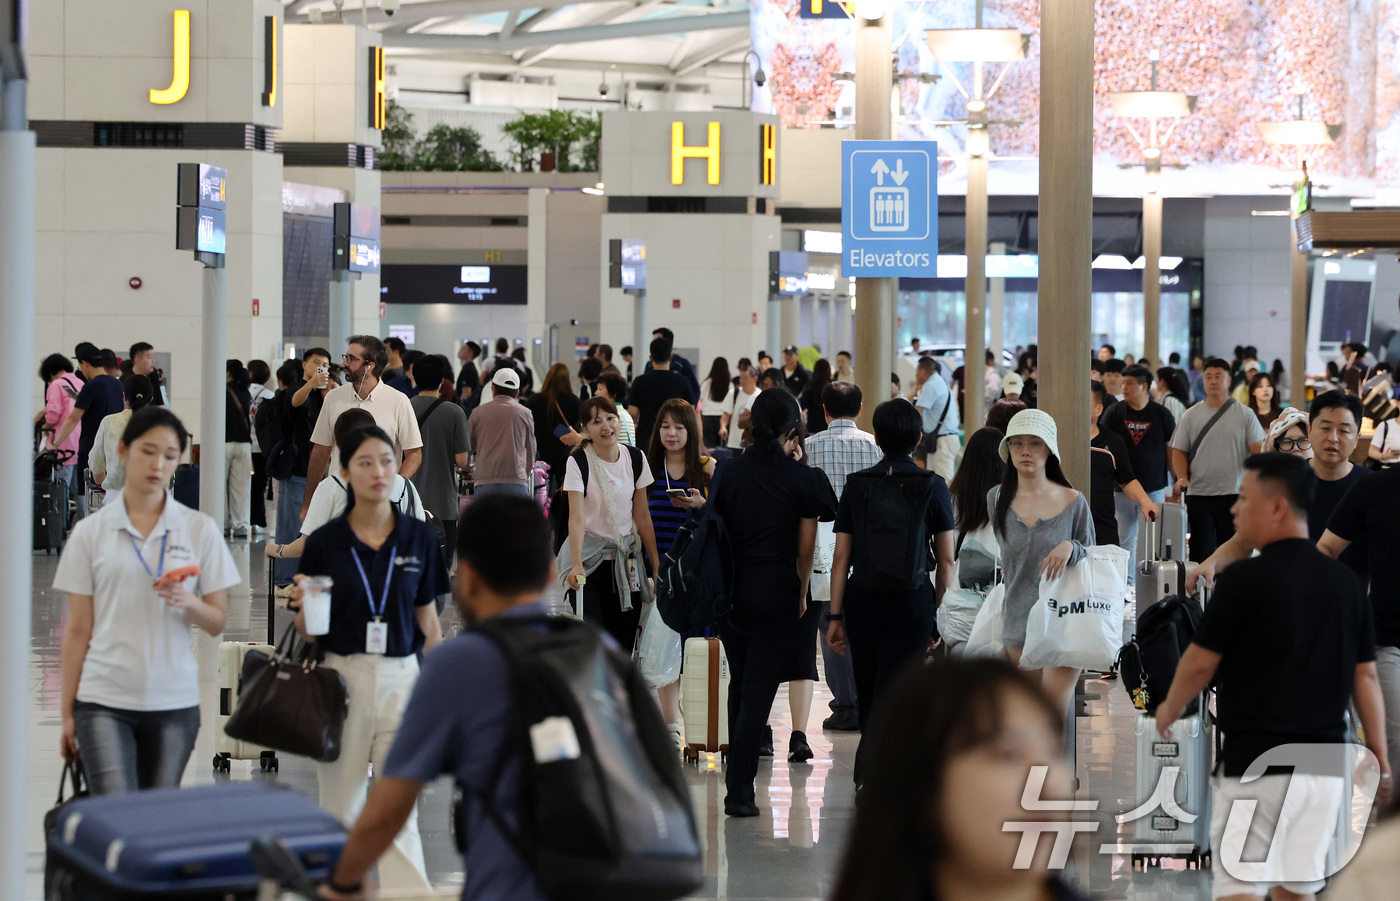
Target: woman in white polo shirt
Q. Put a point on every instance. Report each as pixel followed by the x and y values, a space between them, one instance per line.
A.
pixel 130 682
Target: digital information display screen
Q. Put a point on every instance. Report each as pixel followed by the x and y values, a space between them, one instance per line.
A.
pixel 203 185
pixel 199 229
pixel 438 283
pixel 1346 311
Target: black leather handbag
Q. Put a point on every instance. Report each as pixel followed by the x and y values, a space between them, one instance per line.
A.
pixel 289 702
pixel 72 770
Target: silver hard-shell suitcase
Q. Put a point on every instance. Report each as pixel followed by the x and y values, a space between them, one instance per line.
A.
pixel 1167 541
pixel 1158 576
pixel 1181 765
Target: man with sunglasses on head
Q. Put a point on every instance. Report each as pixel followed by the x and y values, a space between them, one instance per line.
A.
pixel 392 412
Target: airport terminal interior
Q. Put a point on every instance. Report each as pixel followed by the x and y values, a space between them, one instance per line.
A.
pixel 239 204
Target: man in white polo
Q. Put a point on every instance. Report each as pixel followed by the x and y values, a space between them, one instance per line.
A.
pixel 392 412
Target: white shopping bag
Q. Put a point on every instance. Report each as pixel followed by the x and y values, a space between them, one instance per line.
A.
pixel 985 639
pixel 822 556
pixel 1078 620
pixel 658 650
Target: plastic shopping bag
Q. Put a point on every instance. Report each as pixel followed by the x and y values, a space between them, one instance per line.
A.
pixel 658 650
pixel 985 639
pixel 822 556
pixel 1078 620
pixel 958 613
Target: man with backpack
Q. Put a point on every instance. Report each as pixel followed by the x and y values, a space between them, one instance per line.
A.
pixel 889 517
pixel 1289 635
pixel 443 426
pixel 547 820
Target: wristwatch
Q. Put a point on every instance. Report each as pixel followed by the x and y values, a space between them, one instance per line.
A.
pixel 280 549
pixel 835 617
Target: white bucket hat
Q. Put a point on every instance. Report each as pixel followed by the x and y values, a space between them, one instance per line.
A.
pixel 1031 422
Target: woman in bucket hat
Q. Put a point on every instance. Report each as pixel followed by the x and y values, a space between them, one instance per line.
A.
pixel 1043 526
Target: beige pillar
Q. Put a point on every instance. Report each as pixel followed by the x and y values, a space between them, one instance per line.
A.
pixel 1066 225
pixel 1152 278
pixel 1297 374
pixel 790 325
pixel 996 308
pixel 874 325
pixel 974 400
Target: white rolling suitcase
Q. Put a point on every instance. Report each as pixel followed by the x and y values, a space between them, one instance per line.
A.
pixel 1158 575
pixel 1169 540
pixel 705 698
pixel 1183 765
pixel 230 677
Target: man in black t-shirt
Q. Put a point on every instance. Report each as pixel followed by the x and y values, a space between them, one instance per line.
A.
pixel 468 380
pixel 101 396
pixel 1145 427
pixel 1110 471
pixel 653 388
pixel 1290 636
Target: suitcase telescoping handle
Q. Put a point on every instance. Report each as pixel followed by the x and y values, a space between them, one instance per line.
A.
pixel 279 867
pixel 1150 540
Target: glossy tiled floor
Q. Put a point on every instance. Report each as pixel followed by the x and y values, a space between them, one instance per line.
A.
pixel 790 852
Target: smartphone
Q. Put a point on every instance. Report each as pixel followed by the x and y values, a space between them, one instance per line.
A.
pixel 561 430
pixel 176 575
pixel 676 492
pixel 323 369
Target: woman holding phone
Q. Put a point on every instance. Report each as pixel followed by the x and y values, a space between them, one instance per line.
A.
pixel 386 573
pixel 139 573
pixel 609 525
pixel 683 485
pixel 555 408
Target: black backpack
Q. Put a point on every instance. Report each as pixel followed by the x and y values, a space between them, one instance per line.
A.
pixel 267 422
pixel 1149 661
pixel 613 819
pixel 893 552
pixel 697 574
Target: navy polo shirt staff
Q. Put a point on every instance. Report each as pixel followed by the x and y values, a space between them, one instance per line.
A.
pixel 404 573
pixel 387 573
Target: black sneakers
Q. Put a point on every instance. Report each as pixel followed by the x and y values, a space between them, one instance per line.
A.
pixel 798 749
pixel 841 721
pixel 765 748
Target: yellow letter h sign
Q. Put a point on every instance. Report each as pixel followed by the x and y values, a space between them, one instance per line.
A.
pixel 680 152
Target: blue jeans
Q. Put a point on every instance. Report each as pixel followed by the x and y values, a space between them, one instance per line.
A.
pixel 291 492
pixel 1129 516
pixel 502 488
pixel 127 750
pixel 840 677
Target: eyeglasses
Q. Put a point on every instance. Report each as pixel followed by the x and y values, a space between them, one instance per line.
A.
pixel 1290 444
pixel 351 359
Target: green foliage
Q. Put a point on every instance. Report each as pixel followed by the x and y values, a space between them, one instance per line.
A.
pixel 400 146
pixel 448 149
pixel 569 135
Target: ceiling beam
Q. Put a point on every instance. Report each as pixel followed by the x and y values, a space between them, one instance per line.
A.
pixel 411 13
pixel 508 27
pixel 606 17
pixel 504 62
pixel 679 56
pixel 585 34
pixel 714 52
pixel 536 18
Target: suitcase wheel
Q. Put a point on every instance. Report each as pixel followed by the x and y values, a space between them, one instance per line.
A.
pixel 267 762
pixel 222 764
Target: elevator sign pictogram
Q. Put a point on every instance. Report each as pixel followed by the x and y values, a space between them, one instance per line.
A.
pixel 889 209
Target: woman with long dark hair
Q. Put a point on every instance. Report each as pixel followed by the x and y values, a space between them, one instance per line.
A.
pixel 811 399
pixel 682 484
pixel 556 409
pixel 981 470
pixel 130 702
pixel 609 526
pixel 1263 399
pixel 943 783
pixel 387 573
pixel 716 397
pixel 1173 391
pixel 770 503
pixel 1042 526
pixel 108 468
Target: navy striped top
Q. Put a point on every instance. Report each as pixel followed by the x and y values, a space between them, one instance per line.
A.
pixel 666 518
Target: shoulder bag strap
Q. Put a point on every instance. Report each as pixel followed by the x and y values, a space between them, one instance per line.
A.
pixel 944 415
pixel 581 459
pixel 429 412
pixel 236 402
pixel 1196 445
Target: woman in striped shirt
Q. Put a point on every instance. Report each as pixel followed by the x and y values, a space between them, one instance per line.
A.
pixel 682 483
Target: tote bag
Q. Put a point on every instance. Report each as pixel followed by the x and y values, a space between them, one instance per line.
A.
pixel 985 640
pixel 1078 620
pixel 290 703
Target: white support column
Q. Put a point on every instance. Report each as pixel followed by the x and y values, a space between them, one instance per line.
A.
pixel 874 320
pixel 537 269
pixel 213 479
pixel 17 250
pixel 975 334
pixel 341 312
pixel 791 322
pixel 1152 278
pixel 996 308
pixel 641 333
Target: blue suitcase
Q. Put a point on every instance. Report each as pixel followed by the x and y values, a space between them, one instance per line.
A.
pixel 186 487
pixel 188 843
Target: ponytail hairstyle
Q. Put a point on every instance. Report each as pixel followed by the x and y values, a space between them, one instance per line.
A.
pixel 775 415
pixel 138 392
pixel 350 442
pixel 149 418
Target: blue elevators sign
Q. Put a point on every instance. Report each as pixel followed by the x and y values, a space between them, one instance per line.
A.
pixel 889 208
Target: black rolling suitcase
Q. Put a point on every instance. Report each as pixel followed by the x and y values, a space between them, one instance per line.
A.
pixel 186 487
pixel 187 843
pixel 50 503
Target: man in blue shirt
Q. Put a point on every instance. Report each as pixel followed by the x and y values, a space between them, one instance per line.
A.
pixel 503 567
pixel 938 450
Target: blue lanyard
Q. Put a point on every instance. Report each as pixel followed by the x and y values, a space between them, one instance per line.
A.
pixel 369 593
pixel 160 569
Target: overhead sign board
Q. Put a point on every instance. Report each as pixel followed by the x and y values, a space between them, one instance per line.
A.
pixel 456 284
pixel 889 208
pixel 200 229
pixel 200 184
pixel 627 264
pixel 822 9
pixel 787 272
pixel 356 228
pixel 201 195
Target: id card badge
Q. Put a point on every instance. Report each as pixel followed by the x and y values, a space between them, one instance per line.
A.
pixel 377 638
pixel 634 574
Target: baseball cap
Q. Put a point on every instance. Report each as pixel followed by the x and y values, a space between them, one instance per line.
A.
pixel 790 349
pixel 1013 384
pixel 90 355
pixel 506 377
pixel 1031 422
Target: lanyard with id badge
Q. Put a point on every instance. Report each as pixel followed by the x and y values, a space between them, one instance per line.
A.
pixel 377 631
